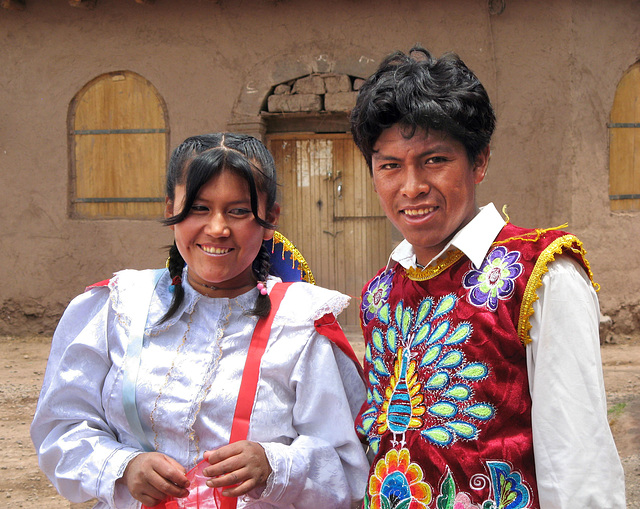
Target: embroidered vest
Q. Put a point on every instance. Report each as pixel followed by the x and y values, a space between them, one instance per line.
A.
pixel 448 410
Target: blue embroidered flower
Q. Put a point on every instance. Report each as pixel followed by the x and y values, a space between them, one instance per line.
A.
pixel 495 279
pixel 376 295
pixel 509 489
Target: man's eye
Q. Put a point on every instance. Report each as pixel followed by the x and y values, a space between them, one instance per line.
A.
pixel 435 160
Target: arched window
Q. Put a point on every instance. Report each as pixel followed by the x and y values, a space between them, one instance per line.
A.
pixel 118 147
pixel 624 143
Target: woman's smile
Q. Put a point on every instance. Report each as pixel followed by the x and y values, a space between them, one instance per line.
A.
pixel 215 250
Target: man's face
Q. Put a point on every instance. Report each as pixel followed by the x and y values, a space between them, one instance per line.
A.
pixel 426 185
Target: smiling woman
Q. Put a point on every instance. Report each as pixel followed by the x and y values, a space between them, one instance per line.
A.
pixel 211 376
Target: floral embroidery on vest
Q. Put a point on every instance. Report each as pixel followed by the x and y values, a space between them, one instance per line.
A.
pixel 397 483
pixel 376 295
pixel 447 380
pixel 508 491
pixel 494 281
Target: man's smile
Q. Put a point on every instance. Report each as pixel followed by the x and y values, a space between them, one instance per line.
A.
pixel 418 212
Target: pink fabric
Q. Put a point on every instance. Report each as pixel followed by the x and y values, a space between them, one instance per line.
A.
pixel 200 495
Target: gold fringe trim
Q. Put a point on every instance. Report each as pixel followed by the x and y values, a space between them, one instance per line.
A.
pixel 532 236
pixel 296 256
pixel 504 212
pixel 416 274
pixel 535 280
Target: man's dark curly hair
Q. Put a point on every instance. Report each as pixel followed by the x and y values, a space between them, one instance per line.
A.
pixel 418 91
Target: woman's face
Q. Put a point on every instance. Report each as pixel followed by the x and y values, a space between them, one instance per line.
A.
pixel 220 237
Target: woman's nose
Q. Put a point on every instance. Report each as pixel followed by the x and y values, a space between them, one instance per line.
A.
pixel 217 226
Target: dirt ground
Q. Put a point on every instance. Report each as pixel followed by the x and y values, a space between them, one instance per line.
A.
pixel 23 362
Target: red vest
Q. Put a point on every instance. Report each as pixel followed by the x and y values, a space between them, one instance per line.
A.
pixel 448 409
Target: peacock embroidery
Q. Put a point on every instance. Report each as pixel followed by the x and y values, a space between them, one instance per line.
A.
pixel 430 384
pixel 402 408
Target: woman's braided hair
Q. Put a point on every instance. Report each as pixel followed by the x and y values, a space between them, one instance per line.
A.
pixel 196 161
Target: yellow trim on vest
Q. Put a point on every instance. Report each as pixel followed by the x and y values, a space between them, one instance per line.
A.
pixel 535 280
pixel 416 274
pixel 296 256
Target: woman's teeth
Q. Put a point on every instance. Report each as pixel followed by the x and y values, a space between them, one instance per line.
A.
pixel 215 250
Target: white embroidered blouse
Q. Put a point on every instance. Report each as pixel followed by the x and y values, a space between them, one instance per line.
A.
pixel 188 381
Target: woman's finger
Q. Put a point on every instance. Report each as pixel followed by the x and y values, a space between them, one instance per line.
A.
pixel 241 489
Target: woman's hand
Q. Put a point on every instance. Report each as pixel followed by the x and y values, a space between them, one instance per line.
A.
pixel 151 477
pixel 242 465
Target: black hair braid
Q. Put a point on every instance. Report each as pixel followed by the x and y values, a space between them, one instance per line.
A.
pixel 261 266
pixel 175 265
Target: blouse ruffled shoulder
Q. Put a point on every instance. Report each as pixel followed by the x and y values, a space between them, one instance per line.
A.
pixel 128 288
pixel 305 302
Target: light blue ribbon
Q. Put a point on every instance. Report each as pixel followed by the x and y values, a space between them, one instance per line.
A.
pixel 132 358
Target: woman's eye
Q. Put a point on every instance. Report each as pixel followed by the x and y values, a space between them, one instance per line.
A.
pixel 198 208
pixel 239 212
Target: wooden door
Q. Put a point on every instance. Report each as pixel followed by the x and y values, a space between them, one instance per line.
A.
pixel 331 213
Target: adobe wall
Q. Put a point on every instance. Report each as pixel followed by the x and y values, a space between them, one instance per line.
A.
pixel 551 68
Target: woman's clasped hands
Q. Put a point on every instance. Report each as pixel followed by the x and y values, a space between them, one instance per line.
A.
pixel 241 467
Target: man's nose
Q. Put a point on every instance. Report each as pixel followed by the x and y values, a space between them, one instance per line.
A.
pixel 415 183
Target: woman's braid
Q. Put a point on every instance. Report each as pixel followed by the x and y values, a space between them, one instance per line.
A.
pixel 175 264
pixel 261 266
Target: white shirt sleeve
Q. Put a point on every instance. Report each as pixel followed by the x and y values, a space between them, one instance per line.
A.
pixel 78 451
pixel 325 466
pixel 577 464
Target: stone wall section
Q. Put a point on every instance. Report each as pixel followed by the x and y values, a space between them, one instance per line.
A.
pixel 315 93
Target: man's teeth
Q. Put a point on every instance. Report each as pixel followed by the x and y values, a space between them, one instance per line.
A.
pixel 215 250
pixel 418 212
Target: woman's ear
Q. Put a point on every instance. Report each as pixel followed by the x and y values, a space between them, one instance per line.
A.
pixel 273 217
pixel 168 209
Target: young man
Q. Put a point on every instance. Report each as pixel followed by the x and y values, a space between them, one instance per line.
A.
pixel 482 353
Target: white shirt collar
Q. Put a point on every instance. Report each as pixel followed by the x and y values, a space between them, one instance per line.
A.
pixel 474 240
